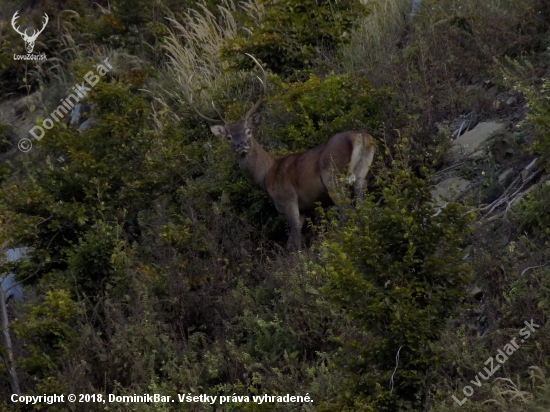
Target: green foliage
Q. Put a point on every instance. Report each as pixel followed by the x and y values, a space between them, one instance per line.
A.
pixel 437 61
pixel 291 33
pixel 132 12
pixel 398 270
pixel 313 110
pixel 532 212
pixel 91 260
pixel 539 107
pixel 9 68
pixel 108 175
pixel 4 141
pixel 539 117
pixel 47 331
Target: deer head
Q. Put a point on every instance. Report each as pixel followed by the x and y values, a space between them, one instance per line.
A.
pixel 29 40
pixel 239 134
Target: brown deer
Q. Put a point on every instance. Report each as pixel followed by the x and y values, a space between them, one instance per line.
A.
pixel 295 182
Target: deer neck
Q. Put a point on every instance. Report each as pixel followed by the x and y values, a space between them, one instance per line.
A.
pixel 256 163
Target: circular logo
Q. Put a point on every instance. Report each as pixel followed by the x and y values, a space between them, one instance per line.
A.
pixel 24 145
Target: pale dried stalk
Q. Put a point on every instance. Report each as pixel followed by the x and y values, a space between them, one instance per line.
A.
pixel 193 47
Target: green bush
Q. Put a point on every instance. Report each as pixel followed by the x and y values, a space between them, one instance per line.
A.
pixel 291 33
pixel 48 331
pixel 88 189
pixel 539 117
pixel 304 114
pixel 397 269
pixel 522 75
pixel 532 213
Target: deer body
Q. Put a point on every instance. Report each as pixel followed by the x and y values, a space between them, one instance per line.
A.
pixel 296 182
pixel 308 177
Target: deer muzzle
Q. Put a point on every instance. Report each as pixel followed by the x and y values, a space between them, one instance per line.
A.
pixel 243 149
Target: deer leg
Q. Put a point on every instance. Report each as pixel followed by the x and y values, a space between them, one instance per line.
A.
pixel 331 183
pixel 358 189
pixel 361 171
pixel 295 222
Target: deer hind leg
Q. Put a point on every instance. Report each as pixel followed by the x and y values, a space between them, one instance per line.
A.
pixel 355 160
pixel 295 221
pixel 361 170
pixel 330 180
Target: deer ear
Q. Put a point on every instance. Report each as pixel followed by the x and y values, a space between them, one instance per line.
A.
pixel 219 131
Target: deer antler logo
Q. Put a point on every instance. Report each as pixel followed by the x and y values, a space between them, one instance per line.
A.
pixel 29 40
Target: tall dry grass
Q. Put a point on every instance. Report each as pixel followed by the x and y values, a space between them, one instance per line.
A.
pixel 193 47
pixel 381 35
pixel 376 35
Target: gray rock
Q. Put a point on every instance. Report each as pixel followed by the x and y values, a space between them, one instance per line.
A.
pixel 13 255
pixel 505 175
pixel 448 189
pixel 478 154
pixel 77 117
pixel 474 139
pixel 24 104
pixel 11 287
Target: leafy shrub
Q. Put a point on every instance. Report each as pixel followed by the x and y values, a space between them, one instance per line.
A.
pixel 397 269
pixel 4 139
pixel 316 109
pixel 47 329
pixel 532 213
pixel 108 174
pixel 539 117
pixel 291 33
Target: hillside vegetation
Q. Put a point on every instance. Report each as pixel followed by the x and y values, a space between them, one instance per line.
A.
pixel 155 266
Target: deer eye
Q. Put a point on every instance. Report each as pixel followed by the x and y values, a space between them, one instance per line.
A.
pixel 248 132
pixel 228 136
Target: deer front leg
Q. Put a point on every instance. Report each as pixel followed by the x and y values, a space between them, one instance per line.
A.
pixel 295 221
